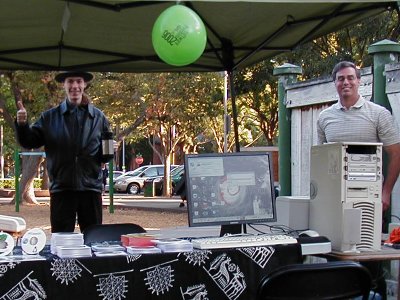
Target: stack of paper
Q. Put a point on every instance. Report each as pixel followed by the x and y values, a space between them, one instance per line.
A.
pixel 114 253
pixel 142 250
pixel 106 249
pixel 69 244
pixel 73 251
pixel 174 245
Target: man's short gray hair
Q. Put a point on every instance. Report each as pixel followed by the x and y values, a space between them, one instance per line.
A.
pixel 345 64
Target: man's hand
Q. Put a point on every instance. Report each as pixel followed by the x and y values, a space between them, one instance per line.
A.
pixel 22 116
pixel 385 200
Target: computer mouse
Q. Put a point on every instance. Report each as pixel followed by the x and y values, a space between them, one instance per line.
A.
pixel 308 233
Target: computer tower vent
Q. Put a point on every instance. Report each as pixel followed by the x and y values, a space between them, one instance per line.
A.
pixel 367 225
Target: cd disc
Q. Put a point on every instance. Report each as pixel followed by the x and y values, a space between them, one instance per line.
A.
pixel 7 243
pixel 33 241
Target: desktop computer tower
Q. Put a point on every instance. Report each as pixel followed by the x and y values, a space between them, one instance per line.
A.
pixel 346 193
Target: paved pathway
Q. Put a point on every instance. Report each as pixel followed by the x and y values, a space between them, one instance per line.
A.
pixel 162 203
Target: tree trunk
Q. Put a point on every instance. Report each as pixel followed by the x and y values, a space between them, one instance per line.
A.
pixel 30 166
pixel 45 178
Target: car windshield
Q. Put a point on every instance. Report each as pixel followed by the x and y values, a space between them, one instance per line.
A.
pixel 176 171
pixel 136 172
pixel 117 175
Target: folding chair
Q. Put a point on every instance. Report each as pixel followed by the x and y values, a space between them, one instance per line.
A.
pixel 109 232
pixel 322 281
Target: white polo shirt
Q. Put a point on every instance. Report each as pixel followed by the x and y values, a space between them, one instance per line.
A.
pixel 364 122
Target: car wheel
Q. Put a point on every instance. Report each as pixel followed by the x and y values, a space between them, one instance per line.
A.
pixel 133 188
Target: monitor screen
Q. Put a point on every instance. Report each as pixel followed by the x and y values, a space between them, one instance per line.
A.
pixel 229 188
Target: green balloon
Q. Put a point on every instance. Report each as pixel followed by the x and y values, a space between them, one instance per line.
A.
pixel 179 36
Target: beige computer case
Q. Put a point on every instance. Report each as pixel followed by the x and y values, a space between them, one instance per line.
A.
pixel 345 194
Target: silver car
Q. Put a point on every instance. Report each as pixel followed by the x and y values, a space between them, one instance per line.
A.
pixel 132 182
pixel 116 174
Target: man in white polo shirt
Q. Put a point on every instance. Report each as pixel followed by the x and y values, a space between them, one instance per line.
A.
pixel 354 119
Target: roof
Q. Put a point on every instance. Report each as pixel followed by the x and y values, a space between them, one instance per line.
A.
pixel 115 36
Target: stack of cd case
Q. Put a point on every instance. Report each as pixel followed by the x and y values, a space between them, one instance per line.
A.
pixel 142 250
pixel 73 251
pixel 69 244
pixel 174 245
pixel 107 249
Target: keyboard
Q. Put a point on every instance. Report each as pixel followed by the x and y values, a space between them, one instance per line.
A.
pixel 237 241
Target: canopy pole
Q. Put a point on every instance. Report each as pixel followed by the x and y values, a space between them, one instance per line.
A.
pixel 16 174
pixel 227 121
pixel 228 61
pixel 233 228
pixel 111 185
pixel 234 111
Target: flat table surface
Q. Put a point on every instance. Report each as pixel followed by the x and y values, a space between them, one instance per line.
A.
pixel 386 253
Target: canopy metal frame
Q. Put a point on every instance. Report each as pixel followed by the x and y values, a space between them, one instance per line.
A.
pixel 221 54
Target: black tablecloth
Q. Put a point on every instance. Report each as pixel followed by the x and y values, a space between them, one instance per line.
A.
pixel 201 274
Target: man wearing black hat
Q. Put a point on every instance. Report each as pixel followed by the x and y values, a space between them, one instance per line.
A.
pixel 71 135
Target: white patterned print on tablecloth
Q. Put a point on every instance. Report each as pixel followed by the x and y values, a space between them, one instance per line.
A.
pixel 113 286
pixel 67 270
pixel 198 291
pixel 227 276
pixel 260 255
pixel 196 257
pixel 159 278
pixel 27 288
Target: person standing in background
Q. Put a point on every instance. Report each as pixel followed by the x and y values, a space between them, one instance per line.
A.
pixel 104 171
pixel 71 135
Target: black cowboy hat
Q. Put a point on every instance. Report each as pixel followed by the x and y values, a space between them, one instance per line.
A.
pixel 60 77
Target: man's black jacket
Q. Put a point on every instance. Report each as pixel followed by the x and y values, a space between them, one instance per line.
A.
pixel 73 156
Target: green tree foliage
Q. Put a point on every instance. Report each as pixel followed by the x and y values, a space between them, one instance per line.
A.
pixel 168 109
pixel 318 57
pixel 257 104
pixel 156 103
pixel 36 90
pixel 120 96
pixel 8 110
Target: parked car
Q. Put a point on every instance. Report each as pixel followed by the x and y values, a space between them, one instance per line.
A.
pixel 116 174
pixel 158 181
pixel 133 182
pixel 177 174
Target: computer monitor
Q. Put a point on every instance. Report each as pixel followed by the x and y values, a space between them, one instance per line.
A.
pixel 230 189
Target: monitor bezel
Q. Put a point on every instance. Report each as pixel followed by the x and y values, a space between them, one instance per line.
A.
pixel 230 222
